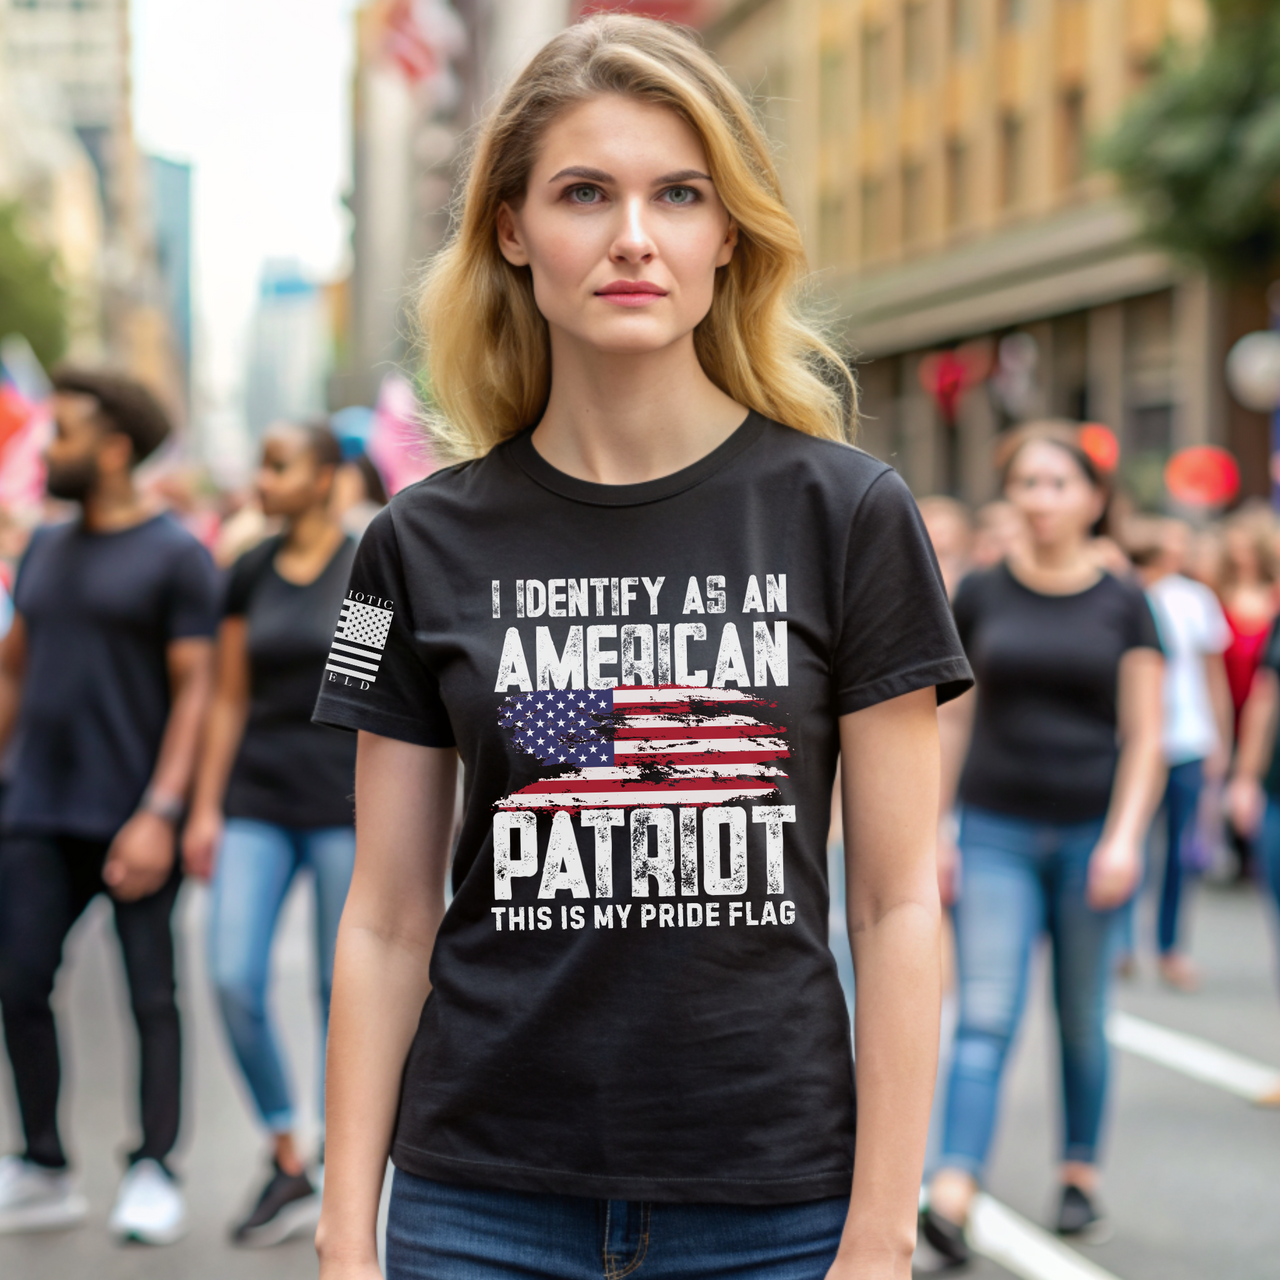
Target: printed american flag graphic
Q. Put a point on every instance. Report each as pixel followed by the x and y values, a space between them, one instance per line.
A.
pixel 644 746
pixel 359 640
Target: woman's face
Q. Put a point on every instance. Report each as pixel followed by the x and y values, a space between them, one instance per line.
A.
pixel 289 482
pixel 1053 495
pixel 621 227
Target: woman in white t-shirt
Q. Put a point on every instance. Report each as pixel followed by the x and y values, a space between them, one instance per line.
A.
pixel 1197 716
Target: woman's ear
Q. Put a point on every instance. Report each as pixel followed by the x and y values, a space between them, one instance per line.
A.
pixel 510 238
pixel 730 243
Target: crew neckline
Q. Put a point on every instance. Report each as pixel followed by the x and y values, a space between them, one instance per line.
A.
pixel 538 469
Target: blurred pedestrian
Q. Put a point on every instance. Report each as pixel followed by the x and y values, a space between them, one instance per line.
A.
pixel 1197 721
pixel 1061 775
pixel 104 680
pixel 613 339
pixel 997 533
pixel 950 528
pixel 358 493
pixel 273 791
pixel 1248 591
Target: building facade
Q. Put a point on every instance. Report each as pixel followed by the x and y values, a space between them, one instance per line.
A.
pixel 938 155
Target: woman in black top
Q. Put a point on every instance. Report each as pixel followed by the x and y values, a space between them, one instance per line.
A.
pixel 273 793
pixel 648 612
pixel 1062 773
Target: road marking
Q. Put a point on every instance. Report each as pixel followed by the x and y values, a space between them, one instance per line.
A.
pixel 1199 1059
pixel 1020 1246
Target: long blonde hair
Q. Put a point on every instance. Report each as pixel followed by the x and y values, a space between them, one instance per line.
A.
pixel 487 348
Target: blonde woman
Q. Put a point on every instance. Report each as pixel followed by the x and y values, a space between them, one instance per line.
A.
pixel 647 613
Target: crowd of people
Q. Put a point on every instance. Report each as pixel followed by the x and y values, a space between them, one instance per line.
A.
pixel 155 706
pixel 1082 765
pixel 156 709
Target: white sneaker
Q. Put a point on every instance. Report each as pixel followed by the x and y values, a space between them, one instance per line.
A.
pixel 33 1198
pixel 149 1207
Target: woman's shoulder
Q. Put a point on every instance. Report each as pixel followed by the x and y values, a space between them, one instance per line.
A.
pixel 835 460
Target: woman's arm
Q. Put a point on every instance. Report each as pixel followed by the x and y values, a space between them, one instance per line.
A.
pixel 1115 866
pixel 955 729
pixel 891 769
pixel 1253 755
pixel 404 820
pixel 224 729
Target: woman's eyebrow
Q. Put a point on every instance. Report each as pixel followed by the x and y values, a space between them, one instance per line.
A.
pixel 599 175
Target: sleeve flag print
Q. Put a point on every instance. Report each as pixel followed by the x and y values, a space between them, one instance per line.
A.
pixel 359 640
pixel 638 746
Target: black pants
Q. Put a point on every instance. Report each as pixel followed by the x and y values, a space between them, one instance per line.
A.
pixel 46 882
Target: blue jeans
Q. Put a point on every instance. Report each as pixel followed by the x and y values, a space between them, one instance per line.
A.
pixel 256 865
pixel 439 1231
pixel 1269 848
pixel 1019 879
pixel 1181 801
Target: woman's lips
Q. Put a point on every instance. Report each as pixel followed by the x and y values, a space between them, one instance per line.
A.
pixel 631 293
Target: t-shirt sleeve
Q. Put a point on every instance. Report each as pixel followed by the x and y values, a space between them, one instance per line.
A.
pixel 244 576
pixel 1142 632
pixel 375 677
pixel 896 630
pixel 1216 634
pixel 195 593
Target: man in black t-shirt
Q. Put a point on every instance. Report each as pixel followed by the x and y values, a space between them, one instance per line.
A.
pixel 104 678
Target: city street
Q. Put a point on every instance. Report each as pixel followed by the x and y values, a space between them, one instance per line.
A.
pixel 1191 1172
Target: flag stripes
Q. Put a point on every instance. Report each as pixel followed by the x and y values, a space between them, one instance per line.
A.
pixel 359 640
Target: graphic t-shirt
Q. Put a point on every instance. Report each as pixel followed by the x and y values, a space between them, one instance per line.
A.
pixel 1191 627
pixel 632 994
pixel 100 610
pixel 288 770
pixel 1044 732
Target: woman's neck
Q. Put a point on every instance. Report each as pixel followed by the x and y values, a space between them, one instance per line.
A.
pixel 624 418
pixel 1055 568
pixel 310 531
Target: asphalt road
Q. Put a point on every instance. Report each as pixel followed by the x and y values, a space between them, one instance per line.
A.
pixel 1191 1175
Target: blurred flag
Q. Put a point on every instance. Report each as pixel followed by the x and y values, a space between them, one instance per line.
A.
pixel 398 442
pixel 25 424
pixel 422 38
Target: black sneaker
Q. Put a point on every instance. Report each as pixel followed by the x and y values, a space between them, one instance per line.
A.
pixel 1080 1219
pixel 287 1204
pixel 946 1238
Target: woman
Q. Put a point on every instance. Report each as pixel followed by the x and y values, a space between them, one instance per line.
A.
pixel 1060 779
pixel 273 792
pixel 1253 792
pixel 646 615
pixel 1247 588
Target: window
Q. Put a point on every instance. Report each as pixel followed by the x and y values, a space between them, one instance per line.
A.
pixel 964 26
pixel 830 91
pixel 958 198
pixel 1012 13
pixel 875 84
pixel 872 217
pixel 1072 152
pixel 831 229
pixel 915 43
pixel 1012 162
pixel 915 210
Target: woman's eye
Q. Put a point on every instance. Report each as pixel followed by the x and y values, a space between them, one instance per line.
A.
pixel 583 195
pixel 681 195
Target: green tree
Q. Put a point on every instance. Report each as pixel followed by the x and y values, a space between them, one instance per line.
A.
pixel 1199 146
pixel 32 300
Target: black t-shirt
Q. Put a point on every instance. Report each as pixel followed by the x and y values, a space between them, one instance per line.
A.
pixel 100 611
pixel 1044 734
pixel 288 770
pixel 1271 660
pixel 632 993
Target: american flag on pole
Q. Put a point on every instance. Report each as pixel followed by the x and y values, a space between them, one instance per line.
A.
pixel 359 640
pixel 644 746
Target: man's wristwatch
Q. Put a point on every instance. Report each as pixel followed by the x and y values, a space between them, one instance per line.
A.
pixel 170 808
